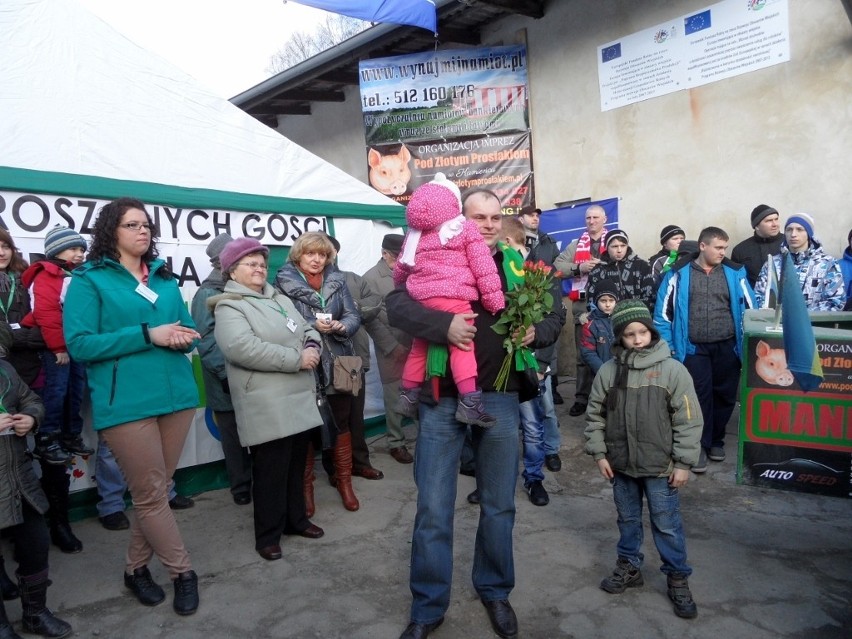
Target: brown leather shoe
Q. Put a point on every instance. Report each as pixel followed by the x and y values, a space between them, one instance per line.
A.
pixel 368 472
pixel 270 553
pixel 401 455
pixel 312 532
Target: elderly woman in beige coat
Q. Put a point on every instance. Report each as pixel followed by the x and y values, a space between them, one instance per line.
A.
pixel 271 353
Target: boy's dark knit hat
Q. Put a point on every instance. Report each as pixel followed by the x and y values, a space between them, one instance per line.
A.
pixel 615 234
pixel 60 238
pixel 605 287
pixel 761 211
pixel 669 232
pixel 629 311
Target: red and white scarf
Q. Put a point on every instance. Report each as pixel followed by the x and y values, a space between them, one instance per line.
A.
pixel 581 255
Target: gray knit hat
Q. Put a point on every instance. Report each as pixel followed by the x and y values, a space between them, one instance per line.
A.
pixel 60 238
pixel 216 245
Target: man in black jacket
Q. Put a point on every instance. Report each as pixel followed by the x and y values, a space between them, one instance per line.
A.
pixel 439 444
pixel 541 245
pixel 766 241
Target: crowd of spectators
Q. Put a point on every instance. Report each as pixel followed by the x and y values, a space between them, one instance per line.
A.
pixel 271 347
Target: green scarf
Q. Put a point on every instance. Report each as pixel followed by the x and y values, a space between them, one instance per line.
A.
pixel 513 269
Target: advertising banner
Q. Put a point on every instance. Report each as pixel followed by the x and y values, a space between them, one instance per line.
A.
pixel 791 439
pixel 722 41
pixel 444 94
pixel 184 236
pixel 500 164
pixel 459 112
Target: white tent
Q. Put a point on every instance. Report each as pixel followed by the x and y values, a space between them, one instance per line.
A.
pixel 87 116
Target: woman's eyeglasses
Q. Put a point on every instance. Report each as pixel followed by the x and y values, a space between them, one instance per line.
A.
pixel 136 226
pixel 254 266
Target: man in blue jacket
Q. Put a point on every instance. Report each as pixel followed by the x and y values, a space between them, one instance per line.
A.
pixel 699 312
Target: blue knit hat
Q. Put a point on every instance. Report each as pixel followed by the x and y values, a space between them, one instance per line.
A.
pixel 60 238
pixel 805 220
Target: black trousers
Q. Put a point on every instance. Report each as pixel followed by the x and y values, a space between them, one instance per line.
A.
pixel 360 450
pixel 715 371
pixel 237 458
pixel 278 469
pixel 31 540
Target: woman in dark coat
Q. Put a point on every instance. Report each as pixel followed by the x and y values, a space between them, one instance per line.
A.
pixel 320 294
pixel 24 356
pixel 22 501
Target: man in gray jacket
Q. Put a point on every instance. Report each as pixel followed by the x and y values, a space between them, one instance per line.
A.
pixel 391 345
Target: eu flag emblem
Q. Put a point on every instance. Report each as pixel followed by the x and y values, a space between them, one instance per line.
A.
pixel 611 52
pixel 697 22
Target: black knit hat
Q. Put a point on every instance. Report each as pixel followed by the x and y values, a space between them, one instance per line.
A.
pixel 761 211
pixel 669 232
pixel 615 234
pixel 606 287
pixel 629 311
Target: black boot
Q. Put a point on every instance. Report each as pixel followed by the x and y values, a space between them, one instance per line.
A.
pixel 37 619
pixel 73 445
pixel 48 450
pixel 186 593
pixel 8 588
pixel 55 482
pixel 6 630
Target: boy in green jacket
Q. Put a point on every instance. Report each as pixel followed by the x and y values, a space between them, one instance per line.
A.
pixel 644 432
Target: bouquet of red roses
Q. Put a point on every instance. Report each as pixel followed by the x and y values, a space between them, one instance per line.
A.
pixel 526 304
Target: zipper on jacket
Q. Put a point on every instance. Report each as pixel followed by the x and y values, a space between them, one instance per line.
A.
pixel 114 376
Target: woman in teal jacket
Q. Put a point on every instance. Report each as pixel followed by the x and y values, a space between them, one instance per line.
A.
pixel 124 317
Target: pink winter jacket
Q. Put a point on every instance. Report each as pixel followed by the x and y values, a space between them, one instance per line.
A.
pixel 461 269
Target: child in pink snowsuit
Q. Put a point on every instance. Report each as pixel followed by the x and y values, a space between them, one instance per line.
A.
pixel 446 264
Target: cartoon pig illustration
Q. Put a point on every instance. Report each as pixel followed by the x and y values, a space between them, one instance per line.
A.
pixel 389 174
pixel 771 365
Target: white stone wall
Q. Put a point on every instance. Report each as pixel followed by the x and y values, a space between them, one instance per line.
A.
pixel 780 136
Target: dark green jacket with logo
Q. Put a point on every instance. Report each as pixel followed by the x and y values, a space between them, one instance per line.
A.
pixel 655 424
pixel 129 378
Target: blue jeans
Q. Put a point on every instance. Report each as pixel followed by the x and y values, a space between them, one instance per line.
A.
pixel 62 395
pixel 532 422
pixel 110 482
pixel 664 513
pixel 552 436
pixel 436 466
